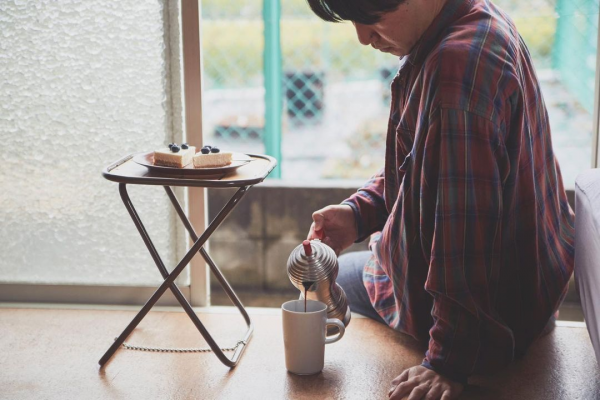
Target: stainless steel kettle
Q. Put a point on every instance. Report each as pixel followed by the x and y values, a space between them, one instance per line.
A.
pixel 312 268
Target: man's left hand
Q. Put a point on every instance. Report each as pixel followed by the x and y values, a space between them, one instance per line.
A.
pixel 422 383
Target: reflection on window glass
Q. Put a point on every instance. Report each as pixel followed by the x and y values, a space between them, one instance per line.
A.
pixel 336 92
pixel 70 104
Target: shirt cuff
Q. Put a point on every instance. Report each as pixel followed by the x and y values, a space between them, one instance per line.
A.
pixel 457 377
pixel 360 228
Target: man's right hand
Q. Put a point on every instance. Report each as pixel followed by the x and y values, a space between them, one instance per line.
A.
pixel 335 226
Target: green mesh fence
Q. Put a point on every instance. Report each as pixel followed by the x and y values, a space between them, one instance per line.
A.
pixel 561 36
pixel 233 101
pixel 336 92
pixel 232 40
pixel 574 53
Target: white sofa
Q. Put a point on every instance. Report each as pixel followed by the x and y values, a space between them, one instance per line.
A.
pixel 587 251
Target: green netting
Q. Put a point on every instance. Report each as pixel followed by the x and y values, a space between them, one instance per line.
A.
pixel 231 9
pixel 574 53
pixel 232 45
pixel 329 81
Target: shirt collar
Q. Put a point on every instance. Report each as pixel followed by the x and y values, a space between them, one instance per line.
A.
pixel 450 12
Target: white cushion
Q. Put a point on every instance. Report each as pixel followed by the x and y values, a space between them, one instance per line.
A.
pixel 587 251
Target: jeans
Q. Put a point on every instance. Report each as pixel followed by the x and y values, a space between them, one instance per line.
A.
pixel 350 278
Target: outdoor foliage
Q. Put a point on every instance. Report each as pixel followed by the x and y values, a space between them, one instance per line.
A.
pixel 233 51
pixel 233 42
pixel 326 72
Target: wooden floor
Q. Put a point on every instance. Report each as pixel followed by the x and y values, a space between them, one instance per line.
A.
pixel 53 354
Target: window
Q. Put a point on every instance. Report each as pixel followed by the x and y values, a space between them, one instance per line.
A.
pixel 83 85
pixel 335 91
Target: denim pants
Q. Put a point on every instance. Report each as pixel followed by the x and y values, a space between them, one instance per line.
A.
pixel 350 278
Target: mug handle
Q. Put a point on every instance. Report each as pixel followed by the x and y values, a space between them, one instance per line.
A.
pixel 340 325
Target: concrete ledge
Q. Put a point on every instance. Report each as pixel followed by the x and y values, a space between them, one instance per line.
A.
pixel 252 246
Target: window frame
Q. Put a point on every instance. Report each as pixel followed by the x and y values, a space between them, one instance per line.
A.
pixel 596 130
pixel 196 197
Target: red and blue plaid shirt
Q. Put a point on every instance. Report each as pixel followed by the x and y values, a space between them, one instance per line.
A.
pixel 474 242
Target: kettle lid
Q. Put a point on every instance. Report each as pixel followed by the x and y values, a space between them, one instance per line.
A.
pixel 313 261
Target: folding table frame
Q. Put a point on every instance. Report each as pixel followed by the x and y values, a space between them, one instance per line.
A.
pixel 127 171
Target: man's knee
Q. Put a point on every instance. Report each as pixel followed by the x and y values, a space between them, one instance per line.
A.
pixel 351 267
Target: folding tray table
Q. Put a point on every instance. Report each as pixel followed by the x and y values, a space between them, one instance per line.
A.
pixel 126 171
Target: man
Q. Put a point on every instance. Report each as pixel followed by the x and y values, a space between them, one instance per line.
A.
pixel 472 235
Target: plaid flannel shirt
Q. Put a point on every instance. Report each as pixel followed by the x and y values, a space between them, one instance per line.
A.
pixel 472 232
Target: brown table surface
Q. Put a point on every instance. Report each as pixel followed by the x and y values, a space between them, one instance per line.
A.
pixel 53 354
pixel 126 170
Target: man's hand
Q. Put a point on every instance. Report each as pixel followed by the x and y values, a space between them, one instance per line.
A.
pixel 335 226
pixel 422 383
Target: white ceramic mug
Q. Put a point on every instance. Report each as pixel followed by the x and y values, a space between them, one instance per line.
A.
pixel 304 335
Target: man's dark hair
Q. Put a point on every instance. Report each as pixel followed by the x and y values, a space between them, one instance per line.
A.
pixel 362 11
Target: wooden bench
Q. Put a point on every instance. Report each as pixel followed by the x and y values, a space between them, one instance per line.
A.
pixel 53 353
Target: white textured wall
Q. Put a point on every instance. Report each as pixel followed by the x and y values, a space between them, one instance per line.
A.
pixel 83 83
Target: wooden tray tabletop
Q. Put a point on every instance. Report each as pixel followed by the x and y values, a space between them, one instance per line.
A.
pixel 126 170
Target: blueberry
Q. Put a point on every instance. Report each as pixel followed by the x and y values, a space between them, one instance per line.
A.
pixel 208 147
pixel 171 145
pixel 215 150
pixel 185 146
pixel 175 148
pixel 205 150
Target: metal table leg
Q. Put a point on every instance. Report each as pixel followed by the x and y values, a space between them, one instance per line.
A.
pixel 228 289
pixel 170 278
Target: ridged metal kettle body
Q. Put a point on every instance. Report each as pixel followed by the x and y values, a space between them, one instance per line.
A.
pixel 315 265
